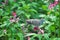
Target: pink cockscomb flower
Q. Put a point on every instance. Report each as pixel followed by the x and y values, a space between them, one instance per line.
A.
pixel 15 18
pixel 36 28
pixel 28 38
pixel 14 14
pixel 52 5
pixel 56 2
pixel 41 31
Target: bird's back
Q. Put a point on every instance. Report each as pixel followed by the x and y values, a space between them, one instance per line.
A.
pixel 36 22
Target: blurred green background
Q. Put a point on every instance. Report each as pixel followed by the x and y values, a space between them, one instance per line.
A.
pixel 29 9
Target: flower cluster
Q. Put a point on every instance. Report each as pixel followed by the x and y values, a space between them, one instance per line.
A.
pixel 52 5
pixel 36 28
pixel 14 14
pixel 15 18
pixel 40 31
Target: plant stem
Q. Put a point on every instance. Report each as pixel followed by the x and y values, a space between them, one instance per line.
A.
pixel 59 18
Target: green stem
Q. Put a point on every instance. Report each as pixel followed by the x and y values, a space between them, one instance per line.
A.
pixel 59 14
pixel 59 19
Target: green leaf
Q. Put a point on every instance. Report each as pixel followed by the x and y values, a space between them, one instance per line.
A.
pixel 30 34
pixel 20 35
pixel 39 36
pixel 46 36
pixel 1 12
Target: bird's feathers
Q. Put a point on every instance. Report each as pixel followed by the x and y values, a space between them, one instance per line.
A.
pixel 35 22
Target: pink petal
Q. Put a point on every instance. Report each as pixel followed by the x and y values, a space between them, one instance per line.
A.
pixel 36 28
pixel 51 6
pixel 12 20
pixel 14 14
pixel 42 31
pixel 56 2
pixel 28 38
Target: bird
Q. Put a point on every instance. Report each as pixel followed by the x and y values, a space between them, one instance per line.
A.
pixel 35 22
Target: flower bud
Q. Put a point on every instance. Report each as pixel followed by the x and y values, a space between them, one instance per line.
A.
pixel 14 14
pixel 36 28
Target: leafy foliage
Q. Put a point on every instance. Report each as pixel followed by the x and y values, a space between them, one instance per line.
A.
pixel 16 28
